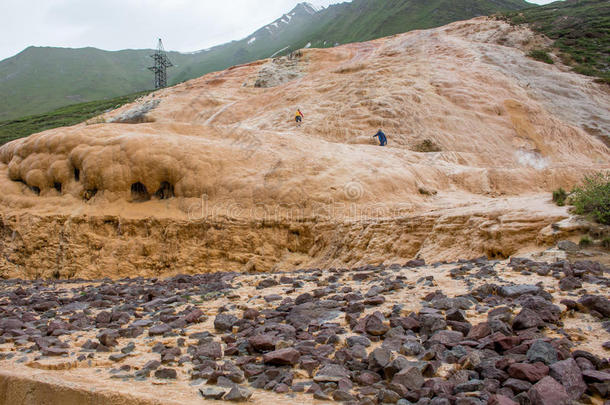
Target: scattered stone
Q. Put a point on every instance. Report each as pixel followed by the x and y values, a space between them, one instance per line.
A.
pixel 263 343
pixel 375 326
pixel 596 303
pixel 331 373
pixel 166 373
pixel 282 357
pixel 211 350
pixel 530 372
pixel 213 393
pixel 159 330
pixel 542 351
pixel 379 358
pixel 108 338
pixel 569 375
pixel 527 319
pixel 410 377
pixel 238 394
pixel 517 385
pixel 501 400
pixel 514 291
pixel 569 283
pixel 548 392
pixel 469 386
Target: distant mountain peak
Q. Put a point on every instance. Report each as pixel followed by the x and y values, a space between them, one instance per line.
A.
pixel 308 7
pixel 300 11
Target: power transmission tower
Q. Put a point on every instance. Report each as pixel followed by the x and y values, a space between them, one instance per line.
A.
pixel 162 62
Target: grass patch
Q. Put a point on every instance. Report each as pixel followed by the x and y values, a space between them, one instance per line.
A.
pixel 62 117
pixel 585 241
pixel 542 56
pixel 559 197
pixel 580 29
pixel 593 198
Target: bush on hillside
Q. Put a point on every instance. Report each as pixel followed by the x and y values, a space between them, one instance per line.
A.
pixel 559 197
pixel 585 241
pixel 593 198
pixel 541 56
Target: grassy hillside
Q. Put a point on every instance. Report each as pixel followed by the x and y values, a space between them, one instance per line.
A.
pixel 363 20
pixel 65 116
pixel 42 79
pixel 38 80
pixel 580 28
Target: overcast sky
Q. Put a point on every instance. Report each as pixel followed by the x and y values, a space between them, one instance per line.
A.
pixel 184 25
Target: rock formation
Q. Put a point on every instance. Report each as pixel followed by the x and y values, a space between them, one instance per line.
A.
pixel 213 174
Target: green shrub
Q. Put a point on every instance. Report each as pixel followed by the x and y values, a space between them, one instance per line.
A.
pixel 585 241
pixel 593 198
pixel 606 242
pixel 559 197
pixel 541 55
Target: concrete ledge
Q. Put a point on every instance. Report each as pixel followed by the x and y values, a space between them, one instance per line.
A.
pixel 41 389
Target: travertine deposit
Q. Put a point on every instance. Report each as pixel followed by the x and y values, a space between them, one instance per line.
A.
pixel 213 174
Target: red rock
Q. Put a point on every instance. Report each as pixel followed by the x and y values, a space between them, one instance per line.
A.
pixel 569 375
pixel 548 392
pixel 54 351
pixel 193 316
pixel 411 377
pixel 262 343
pixel 507 342
pixel 479 331
pixel 375 326
pixel 526 319
pixel 596 376
pixel 251 313
pixel 501 400
pixel 282 357
pixel 531 372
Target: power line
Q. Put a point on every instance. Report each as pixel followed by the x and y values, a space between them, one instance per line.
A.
pixel 162 62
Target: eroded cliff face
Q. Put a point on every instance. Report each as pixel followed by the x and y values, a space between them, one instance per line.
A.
pixel 93 247
pixel 213 174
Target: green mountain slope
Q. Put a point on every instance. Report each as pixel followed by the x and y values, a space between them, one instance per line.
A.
pixel 360 20
pixel 38 80
pixel 580 28
pixel 62 117
pixel 41 79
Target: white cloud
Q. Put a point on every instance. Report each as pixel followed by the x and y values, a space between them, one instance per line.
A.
pixel 184 25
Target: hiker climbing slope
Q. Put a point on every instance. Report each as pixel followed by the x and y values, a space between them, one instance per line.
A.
pixel 383 141
pixel 298 116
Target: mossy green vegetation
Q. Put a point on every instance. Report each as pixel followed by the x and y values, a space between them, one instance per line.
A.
pixel 580 29
pixel 559 197
pixel 585 241
pixel 592 198
pixel 542 56
pixel 65 116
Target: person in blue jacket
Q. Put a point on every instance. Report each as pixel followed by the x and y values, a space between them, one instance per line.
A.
pixel 383 141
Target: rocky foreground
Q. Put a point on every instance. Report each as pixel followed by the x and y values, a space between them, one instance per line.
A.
pixel 471 332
